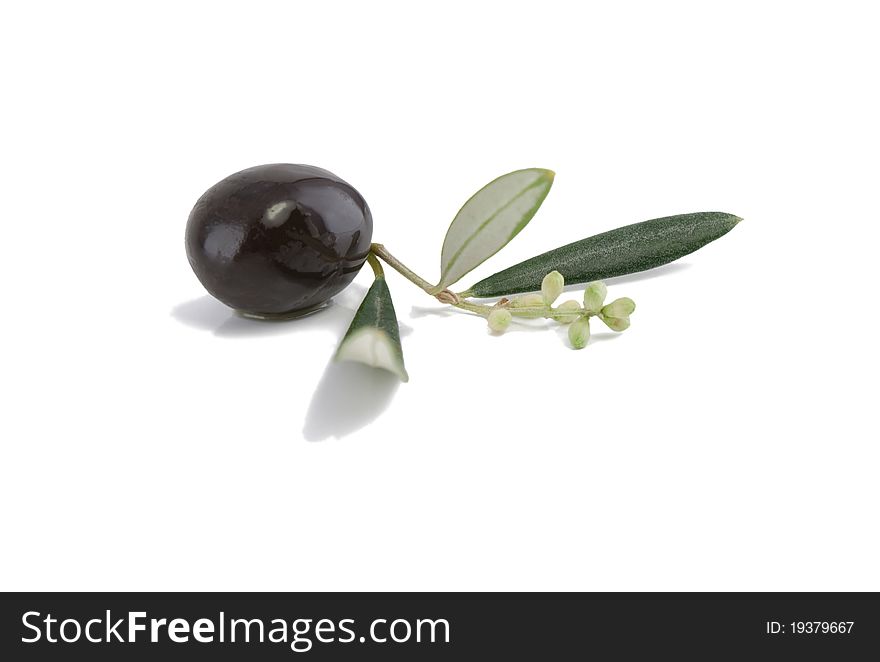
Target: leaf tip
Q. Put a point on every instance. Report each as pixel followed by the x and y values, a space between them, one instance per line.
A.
pixel 545 175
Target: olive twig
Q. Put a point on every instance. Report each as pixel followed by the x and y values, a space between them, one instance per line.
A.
pixel 380 251
pixel 445 296
pixel 378 271
pixel 530 306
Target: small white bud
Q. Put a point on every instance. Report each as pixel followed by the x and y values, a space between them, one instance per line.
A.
pixel 551 287
pixel 594 296
pixel 567 312
pixel 499 319
pixel 622 307
pixel 615 323
pixel 579 333
pixel 530 301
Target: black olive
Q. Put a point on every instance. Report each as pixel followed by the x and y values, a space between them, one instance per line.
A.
pixel 275 239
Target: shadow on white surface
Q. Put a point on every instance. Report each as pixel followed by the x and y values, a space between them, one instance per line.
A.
pixel 602 336
pixel 349 396
pixel 438 311
pixel 665 270
pixel 208 314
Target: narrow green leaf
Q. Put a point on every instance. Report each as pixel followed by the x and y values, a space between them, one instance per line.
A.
pixel 490 219
pixel 374 336
pixel 625 250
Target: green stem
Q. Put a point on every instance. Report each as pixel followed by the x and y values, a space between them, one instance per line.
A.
pixel 478 308
pixel 529 312
pixel 378 271
pixel 380 251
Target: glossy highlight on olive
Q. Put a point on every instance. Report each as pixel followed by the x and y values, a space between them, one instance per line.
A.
pixel 277 239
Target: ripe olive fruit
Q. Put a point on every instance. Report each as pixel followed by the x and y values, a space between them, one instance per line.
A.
pixel 275 239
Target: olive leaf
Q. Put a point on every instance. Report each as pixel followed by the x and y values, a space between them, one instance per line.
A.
pixel 490 219
pixel 373 338
pixel 625 250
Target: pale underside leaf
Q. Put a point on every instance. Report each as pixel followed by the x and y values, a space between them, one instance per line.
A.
pixel 490 219
pixel 372 347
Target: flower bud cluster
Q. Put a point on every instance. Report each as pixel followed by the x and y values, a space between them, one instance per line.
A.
pixel 615 314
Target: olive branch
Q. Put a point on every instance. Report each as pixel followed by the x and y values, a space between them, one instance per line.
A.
pixel 484 225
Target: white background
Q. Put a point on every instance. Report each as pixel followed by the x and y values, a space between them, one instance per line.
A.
pixel 152 440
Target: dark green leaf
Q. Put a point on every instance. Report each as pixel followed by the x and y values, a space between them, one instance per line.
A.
pixel 621 251
pixel 374 335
